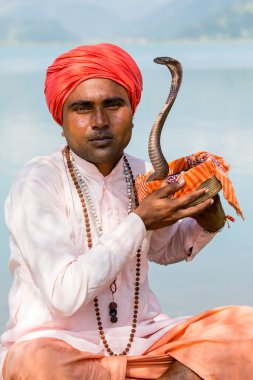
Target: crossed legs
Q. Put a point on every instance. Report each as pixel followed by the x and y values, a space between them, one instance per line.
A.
pixel 47 359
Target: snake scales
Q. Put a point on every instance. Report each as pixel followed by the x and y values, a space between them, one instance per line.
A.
pixel 160 164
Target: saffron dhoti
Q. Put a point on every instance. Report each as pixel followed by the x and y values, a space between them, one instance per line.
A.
pixel 216 344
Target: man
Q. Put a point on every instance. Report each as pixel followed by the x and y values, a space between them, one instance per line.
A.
pixel 80 304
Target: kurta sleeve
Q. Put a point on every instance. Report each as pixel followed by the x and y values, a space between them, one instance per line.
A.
pixel 38 222
pixel 181 241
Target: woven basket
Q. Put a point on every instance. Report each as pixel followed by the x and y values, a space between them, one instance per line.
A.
pixel 214 187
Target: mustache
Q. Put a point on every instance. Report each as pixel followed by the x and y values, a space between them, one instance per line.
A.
pixel 100 136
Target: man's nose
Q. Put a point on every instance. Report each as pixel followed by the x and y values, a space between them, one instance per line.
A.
pixel 100 119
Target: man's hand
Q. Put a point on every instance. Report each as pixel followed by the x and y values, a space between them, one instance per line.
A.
pixel 159 210
pixel 212 218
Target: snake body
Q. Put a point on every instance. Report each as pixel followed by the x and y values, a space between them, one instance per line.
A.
pixel 160 165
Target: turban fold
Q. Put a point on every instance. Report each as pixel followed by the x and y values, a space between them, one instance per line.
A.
pixel 91 61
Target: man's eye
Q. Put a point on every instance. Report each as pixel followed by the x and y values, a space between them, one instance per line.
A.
pixel 82 109
pixel 114 105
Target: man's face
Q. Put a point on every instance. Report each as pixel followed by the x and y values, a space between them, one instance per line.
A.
pixel 97 122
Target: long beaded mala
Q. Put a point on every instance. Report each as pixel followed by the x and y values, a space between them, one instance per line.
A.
pixel 84 196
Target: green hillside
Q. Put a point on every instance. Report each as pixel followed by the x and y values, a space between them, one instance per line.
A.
pixel 32 31
pixel 36 22
pixel 233 22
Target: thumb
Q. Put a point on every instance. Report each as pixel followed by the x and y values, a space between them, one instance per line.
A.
pixel 171 188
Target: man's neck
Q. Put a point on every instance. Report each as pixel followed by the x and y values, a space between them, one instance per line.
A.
pixel 106 168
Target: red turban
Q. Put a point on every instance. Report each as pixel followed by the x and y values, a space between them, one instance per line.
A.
pixel 90 61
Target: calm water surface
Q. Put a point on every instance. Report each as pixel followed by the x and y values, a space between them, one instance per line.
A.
pixel 213 112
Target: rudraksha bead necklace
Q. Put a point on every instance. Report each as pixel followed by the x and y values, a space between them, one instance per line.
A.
pixel 85 198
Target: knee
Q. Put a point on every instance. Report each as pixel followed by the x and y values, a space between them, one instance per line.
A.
pixel 25 357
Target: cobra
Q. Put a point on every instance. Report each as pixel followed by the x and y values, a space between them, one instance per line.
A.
pixel 160 165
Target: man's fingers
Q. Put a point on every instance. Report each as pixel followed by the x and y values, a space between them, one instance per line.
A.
pixel 193 196
pixel 198 209
pixel 166 191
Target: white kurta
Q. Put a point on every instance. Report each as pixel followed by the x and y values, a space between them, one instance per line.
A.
pixel 56 277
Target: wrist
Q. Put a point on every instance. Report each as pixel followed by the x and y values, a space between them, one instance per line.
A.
pixel 213 231
pixel 213 228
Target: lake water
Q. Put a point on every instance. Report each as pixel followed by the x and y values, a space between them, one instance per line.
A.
pixel 213 112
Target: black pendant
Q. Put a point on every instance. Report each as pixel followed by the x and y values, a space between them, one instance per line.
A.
pixel 113 312
pixel 114 319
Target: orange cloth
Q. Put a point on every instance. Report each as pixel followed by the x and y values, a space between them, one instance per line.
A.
pixel 194 169
pixel 86 62
pixel 216 344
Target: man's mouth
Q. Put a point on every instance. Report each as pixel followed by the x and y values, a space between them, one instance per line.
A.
pixel 100 140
